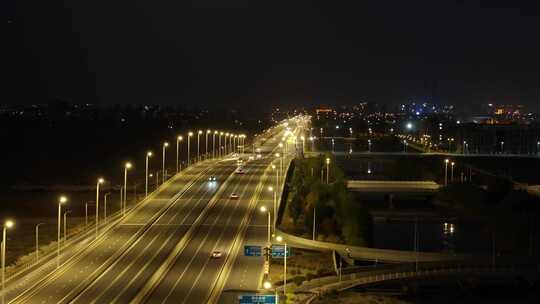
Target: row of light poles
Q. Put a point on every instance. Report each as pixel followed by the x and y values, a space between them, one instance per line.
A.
pixel 452 164
pixel 272 224
pixel 236 142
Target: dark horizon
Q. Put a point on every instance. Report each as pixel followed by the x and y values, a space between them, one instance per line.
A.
pixel 302 53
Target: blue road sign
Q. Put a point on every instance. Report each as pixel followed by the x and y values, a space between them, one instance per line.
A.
pixel 252 250
pixel 278 251
pixel 257 299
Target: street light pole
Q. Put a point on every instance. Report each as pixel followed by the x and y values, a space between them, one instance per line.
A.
pixel 206 154
pixel 198 140
pixel 99 182
pixel 178 163
pixel 327 170
pixel 105 206
pixel 165 145
pixel 37 241
pixel 219 144
pixel 61 201
pixel 214 144
pixel 121 198
pixel 446 161
pixel 314 220
pixel 226 135
pixel 452 172
pixel 281 165
pixel 65 225
pixel 86 216
pixel 190 134
pixel 265 210
pixel 7 224
pixel 148 155
pixel 127 166
pixel 280 239
pixel 271 189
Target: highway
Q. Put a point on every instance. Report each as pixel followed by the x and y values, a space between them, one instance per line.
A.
pixel 161 251
pixel 181 200
pixel 192 276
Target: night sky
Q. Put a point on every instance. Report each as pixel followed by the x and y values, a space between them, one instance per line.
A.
pixel 271 52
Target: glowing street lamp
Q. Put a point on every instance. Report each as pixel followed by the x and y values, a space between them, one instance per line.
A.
pixel 327 170
pixel 263 209
pixel 190 134
pixel 178 165
pixel 165 145
pixel 198 140
pixel 127 166
pixel 214 144
pixel 7 224
pixel 452 171
pixel 280 163
pixel 446 161
pixel 148 155
pixel 206 153
pixel 99 182
pixel 267 285
pixel 61 200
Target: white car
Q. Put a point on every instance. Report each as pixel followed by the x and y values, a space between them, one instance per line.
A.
pixel 216 254
pixel 234 196
pixel 259 156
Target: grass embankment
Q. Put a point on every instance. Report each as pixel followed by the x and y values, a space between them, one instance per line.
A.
pixel 338 218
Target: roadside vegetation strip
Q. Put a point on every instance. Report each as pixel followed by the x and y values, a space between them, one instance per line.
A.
pixel 225 271
pixel 39 285
pixel 166 266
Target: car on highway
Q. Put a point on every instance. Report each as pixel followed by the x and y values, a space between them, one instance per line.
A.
pixel 216 254
pixel 212 178
pixel 259 156
pixel 240 171
pixel 234 196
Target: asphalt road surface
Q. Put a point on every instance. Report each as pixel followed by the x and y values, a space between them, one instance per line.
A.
pixel 161 251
